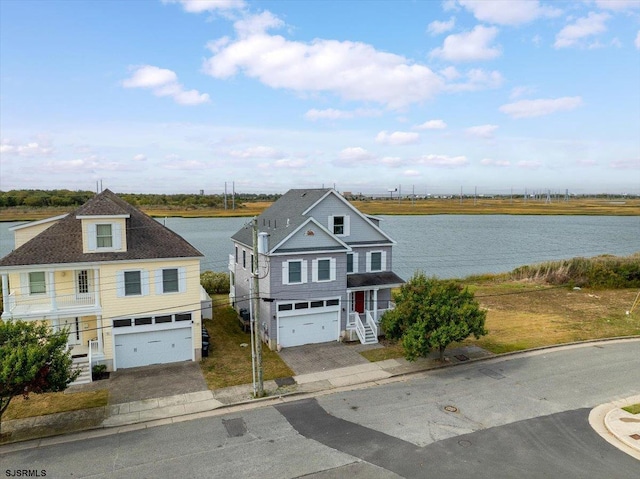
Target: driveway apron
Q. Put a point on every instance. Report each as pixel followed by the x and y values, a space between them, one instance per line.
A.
pixel 147 382
pixel 314 358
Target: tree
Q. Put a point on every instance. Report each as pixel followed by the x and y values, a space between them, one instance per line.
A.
pixel 33 359
pixel 432 313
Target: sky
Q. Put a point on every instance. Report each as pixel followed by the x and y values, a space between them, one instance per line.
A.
pixel 178 96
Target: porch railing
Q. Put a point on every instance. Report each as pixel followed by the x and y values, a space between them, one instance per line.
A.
pixel 360 331
pixel 372 323
pixel 46 303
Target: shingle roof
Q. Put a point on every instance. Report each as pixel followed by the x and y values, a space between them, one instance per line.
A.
pixel 373 279
pixel 283 216
pixel 62 242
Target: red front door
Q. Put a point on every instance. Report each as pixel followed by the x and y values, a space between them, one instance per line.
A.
pixel 359 301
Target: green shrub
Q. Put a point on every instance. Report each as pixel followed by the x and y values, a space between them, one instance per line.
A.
pixel 215 282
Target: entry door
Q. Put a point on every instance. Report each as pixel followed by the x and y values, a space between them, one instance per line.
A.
pixel 82 284
pixel 73 325
pixel 360 302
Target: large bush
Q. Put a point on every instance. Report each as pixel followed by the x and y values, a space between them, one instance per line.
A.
pixel 215 282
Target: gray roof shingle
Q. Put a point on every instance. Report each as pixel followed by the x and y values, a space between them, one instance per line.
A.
pixel 62 242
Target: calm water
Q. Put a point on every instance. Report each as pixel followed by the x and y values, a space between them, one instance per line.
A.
pixel 446 246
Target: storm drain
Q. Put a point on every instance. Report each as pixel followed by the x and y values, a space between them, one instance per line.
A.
pixel 235 427
pixel 451 409
pixel 492 373
pixel 285 381
pixel 461 357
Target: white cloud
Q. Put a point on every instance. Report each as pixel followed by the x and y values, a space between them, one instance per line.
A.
pixel 540 107
pixel 397 138
pixel 477 79
pixel 411 173
pixel 516 12
pixel 520 91
pixel 625 164
pixel 637 41
pixel 289 163
pixel 392 161
pixel 33 148
pixel 140 157
pixel 163 82
pixel 443 161
pixel 469 46
pixel 450 73
pixel 529 164
pixel 482 131
pixel 257 152
pixel 618 5
pixel 355 154
pixel 431 125
pixel 437 27
pixel 584 27
pixel 200 6
pixel 351 70
pixel 333 114
pixel 491 162
pixel 185 165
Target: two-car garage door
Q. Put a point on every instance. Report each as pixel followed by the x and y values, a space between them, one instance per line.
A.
pixel 153 347
pixel 308 325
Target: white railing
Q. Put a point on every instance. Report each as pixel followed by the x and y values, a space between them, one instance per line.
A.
pixel 360 329
pixel 351 319
pixel 372 324
pixel 72 300
pixel 43 303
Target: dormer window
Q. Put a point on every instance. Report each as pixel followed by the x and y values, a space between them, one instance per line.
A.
pixel 104 236
pixel 339 225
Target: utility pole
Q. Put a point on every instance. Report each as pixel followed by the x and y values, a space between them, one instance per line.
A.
pixel 256 311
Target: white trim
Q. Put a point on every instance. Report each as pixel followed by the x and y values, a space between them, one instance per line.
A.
pixel 383 261
pixel 314 270
pixel 303 225
pixel 303 271
pixel 39 222
pixel 99 217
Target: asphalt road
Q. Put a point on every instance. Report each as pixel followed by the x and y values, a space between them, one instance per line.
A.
pixel 524 416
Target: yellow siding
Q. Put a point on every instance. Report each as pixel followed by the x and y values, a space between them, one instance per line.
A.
pixel 22 235
pixel 65 282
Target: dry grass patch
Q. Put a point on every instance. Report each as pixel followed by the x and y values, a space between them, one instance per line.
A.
pixel 229 364
pixel 51 403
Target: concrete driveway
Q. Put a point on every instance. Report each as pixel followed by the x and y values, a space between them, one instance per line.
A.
pixel 314 358
pixel 159 380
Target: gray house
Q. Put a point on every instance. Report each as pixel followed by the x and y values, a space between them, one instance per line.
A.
pixel 324 270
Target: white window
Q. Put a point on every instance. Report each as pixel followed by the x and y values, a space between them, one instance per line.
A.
pixel 104 237
pixel 294 272
pixel 376 261
pixel 171 280
pixel 323 269
pixel 133 283
pixel 83 281
pixel 339 225
pixel 37 283
pixel 352 263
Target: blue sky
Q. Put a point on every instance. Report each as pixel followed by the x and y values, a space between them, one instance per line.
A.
pixel 175 96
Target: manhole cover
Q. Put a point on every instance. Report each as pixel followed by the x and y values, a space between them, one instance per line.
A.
pixel 451 409
pixel 464 443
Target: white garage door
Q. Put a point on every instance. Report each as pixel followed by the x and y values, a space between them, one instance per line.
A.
pixel 308 328
pixel 153 347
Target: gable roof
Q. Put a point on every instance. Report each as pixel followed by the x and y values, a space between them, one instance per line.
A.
pixel 62 242
pixel 289 212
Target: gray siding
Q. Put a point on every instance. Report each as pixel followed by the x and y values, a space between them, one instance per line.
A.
pixel 362 257
pixel 302 239
pixel 360 229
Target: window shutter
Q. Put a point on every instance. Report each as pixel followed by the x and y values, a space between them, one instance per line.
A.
pixel 383 262
pixel 347 225
pixel 330 223
pixel 304 271
pixel 182 280
pixel 355 262
pixel 144 279
pixel 116 231
pixel 159 282
pixel 314 271
pixel 92 237
pixel 368 266
pixel 120 284
pixel 332 273
pixel 285 273
pixel 24 283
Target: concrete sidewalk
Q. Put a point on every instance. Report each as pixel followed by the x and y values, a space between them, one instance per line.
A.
pixel 610 421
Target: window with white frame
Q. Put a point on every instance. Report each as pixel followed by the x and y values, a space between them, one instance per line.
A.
pixel 376 261
pixel 170 280
pixel 37 283
pixel 132 283
pixel 352 263
pixel 244 259
pixel 104 236
pixel 294 272
pixel 339 225
pixel 83 281
pixel 323 269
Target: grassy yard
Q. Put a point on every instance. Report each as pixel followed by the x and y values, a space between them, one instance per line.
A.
pixel 51 403
pixel 524 315
pixel 229 363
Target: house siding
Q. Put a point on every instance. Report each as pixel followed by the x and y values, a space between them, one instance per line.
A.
pixel 360 229
pixel 310 236
pixel 26 233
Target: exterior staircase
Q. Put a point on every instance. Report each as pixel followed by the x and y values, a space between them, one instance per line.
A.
pixel 81 363
pixel 370 337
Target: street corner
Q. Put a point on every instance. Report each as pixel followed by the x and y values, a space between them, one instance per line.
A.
pixel 617 426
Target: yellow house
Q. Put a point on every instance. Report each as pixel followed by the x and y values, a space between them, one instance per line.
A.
pixel 125 287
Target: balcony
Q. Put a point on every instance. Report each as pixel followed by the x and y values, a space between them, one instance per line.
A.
pixel 24 306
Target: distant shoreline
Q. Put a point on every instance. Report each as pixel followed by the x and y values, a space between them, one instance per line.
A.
pixel 451 206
